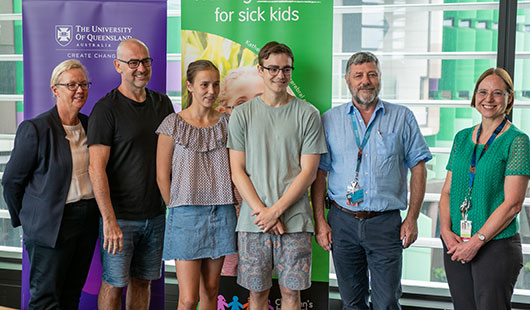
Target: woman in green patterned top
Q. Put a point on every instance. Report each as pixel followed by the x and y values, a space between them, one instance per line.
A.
pixel 487 177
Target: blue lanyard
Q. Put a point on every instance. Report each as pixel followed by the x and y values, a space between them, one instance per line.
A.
pixel 361 145
pixel 474 161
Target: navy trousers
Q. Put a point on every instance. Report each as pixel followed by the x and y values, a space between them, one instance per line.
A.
pixel 57 275
pixel 488 280
pixel 367 253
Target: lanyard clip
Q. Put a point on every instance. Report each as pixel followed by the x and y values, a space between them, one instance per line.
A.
pixel 464 208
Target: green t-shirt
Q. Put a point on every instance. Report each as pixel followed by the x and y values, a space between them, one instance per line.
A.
pixel 273 139
pixel 507 155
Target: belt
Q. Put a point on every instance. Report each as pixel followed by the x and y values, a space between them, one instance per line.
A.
pixel 361 215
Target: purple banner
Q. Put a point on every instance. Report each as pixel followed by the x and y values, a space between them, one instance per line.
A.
pixel 88 31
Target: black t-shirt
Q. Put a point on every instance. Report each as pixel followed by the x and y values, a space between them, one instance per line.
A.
pixel 128 127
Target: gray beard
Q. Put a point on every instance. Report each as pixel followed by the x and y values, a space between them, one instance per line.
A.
pixel 363 101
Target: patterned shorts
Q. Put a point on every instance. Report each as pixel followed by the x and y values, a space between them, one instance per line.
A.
pixel 289 254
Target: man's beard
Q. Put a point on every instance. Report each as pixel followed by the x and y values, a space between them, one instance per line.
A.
pixel 362 100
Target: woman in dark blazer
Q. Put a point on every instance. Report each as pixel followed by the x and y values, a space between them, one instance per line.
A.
pixel 47 190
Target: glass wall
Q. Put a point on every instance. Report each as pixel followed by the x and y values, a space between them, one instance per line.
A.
pixel 11 81
pixel 431 54
pixel 521 115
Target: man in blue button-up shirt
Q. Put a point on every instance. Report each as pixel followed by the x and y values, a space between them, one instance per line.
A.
pixel 371 146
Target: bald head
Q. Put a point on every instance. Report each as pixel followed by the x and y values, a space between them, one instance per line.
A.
pixel 127 44
pixel 135 75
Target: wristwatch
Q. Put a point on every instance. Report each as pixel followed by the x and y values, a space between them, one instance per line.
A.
pixel 481 237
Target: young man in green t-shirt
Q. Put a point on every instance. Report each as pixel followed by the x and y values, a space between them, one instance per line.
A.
pixel 275 142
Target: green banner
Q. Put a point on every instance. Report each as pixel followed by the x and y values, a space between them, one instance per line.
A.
pixel 231 33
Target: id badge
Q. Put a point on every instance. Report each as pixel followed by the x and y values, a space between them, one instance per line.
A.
pixel 355 195
pixel 465 230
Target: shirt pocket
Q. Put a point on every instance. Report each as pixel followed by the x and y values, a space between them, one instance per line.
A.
pixel 387 155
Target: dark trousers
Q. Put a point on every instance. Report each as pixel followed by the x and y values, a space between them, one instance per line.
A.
pixel 57 275
pixel 487 281
pixel 367 247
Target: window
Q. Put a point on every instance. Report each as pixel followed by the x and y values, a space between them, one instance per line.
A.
pixel 482 25
pixel 521 114
pixel 431 56
pixel 449 22
pixel 465 23
pixel 464 94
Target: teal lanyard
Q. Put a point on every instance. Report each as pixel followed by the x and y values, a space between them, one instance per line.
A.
pixel 474 160
pixel 361 145
pixel 464 208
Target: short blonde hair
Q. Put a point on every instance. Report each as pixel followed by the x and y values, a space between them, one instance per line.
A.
pixel 233 75
pixel 65 66
pixel 500 72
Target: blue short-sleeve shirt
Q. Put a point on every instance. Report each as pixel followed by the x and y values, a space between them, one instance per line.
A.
pixel 395 145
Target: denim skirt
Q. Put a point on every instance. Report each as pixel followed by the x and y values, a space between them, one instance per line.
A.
pixel 195 232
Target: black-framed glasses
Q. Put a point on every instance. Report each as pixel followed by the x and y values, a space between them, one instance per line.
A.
pixel 135 63
pixel 274 70
pixel 74 86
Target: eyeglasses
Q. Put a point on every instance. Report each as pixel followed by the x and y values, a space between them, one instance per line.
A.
pixel 274 70
pixel 496 93
pixel 74 86
pixel 135 63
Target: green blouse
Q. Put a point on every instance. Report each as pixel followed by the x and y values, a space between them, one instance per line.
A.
pixel 509 154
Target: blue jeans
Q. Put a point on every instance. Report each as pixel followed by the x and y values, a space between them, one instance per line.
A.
pixel 362 247
pixel 197 232
pixel 141 256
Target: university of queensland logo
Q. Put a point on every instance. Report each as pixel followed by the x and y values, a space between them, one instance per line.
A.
pixel 63 34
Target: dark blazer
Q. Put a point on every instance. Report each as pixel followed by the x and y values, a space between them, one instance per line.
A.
pixel 37 177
